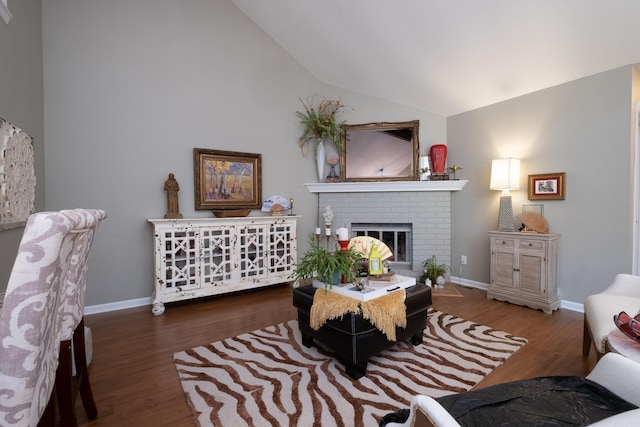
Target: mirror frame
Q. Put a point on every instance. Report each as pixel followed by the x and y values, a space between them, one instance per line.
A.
pixel 414 125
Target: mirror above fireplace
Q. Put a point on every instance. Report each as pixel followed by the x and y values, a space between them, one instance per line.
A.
pixel 386 151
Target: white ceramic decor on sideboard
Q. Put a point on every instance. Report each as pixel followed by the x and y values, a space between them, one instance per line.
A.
pixel 194 258
pixel 523 269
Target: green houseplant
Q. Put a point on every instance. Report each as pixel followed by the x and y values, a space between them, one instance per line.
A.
pixel 431 270
pixel 326 265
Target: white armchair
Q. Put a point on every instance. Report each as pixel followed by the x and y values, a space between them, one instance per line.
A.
pixel 622 295
pixel 614 372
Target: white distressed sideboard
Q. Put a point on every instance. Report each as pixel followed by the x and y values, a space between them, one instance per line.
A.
pixel 209 256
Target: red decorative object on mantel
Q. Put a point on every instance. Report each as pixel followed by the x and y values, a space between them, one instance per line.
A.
pixel 438 154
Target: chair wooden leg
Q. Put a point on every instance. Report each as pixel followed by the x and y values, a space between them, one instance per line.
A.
pixel 68 386
pixel 64 386
pixel 48 418
pixel 586 338
pixel 82 372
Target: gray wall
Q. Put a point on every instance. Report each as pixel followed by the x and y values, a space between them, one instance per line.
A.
pixel 131 87
pixel 21 101
pixel 581 128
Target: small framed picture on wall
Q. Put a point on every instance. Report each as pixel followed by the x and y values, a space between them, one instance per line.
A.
pixel 547 186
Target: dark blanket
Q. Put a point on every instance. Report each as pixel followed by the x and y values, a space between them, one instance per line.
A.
pixel 540 402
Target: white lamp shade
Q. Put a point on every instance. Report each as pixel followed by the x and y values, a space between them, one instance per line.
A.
pixel 505 174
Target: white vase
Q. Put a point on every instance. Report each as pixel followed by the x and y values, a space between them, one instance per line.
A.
pixel 320 160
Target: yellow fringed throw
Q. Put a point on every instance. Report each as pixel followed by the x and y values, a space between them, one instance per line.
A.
pixel 330 305
pixel 385 312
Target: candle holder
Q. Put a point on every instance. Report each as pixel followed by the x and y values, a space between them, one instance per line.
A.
pixel 344 246
pixel 327 232
pixel 291 206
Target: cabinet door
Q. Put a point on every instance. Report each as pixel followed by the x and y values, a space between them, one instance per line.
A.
pixel 252 251
pixel 178 250
pixel 504 263
pixel 216 255
pixel 532 267
pixel 282 248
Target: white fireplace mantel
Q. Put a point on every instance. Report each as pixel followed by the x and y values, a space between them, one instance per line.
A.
pixel 395 186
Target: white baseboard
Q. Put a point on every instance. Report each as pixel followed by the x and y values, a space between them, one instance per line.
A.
pixel 120 305
pixel 470 283
pixel 569 305
pixel 140 302
pixel 573 306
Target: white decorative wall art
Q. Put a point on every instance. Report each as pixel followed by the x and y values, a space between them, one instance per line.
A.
pixel 4 11
pixel 17 176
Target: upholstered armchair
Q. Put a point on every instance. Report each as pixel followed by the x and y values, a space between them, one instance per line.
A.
pixel 30 319
pixel 622 295
pixel 615 377
pixel 70 382
pixel 44 305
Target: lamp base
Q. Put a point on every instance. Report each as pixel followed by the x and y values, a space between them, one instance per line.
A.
pixel 505 217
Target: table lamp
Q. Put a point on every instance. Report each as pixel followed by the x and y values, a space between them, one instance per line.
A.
pixel 505 176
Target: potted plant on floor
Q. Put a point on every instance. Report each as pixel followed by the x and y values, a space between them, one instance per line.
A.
pixel 433 271
pixel 328 266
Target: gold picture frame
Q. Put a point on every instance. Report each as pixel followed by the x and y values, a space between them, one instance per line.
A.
pixel 227 179
pixel 547 186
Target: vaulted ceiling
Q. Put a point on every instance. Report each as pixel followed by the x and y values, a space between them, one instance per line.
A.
pixel 451 56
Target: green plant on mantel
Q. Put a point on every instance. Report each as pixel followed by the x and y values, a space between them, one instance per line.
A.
pixel 432 270
pixel 327 266
pixel 320 122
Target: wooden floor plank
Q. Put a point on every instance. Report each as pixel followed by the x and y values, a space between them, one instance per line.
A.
pixel 135 382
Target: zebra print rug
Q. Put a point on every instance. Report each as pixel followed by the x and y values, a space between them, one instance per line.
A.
pixel 268 378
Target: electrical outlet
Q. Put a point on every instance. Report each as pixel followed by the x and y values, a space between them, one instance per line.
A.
pixel 463 259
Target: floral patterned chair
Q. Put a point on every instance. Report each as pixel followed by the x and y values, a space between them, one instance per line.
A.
pixel 37 299
pixel 72 329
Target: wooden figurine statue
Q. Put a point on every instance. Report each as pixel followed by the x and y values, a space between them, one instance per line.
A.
pixel 171 187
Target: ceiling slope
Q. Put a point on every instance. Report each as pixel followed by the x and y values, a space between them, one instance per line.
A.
pixel 448 57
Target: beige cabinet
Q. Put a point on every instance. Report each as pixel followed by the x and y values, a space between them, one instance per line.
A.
pixel 523 269
pixel 195 258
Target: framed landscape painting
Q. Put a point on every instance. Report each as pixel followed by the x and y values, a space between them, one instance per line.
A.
pixel 547 186
pixel 227 179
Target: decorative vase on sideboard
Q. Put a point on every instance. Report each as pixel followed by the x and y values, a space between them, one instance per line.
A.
pixel 438 154
pixel 320 159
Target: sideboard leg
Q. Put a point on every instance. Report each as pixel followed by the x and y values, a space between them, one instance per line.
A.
pixel 158 308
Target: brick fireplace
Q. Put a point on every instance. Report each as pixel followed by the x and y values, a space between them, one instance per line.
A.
pixel 425 205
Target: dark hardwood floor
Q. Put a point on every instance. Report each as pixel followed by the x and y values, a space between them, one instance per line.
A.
pixel 135 383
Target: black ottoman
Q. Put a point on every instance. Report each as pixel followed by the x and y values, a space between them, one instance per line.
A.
pixel 355 339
